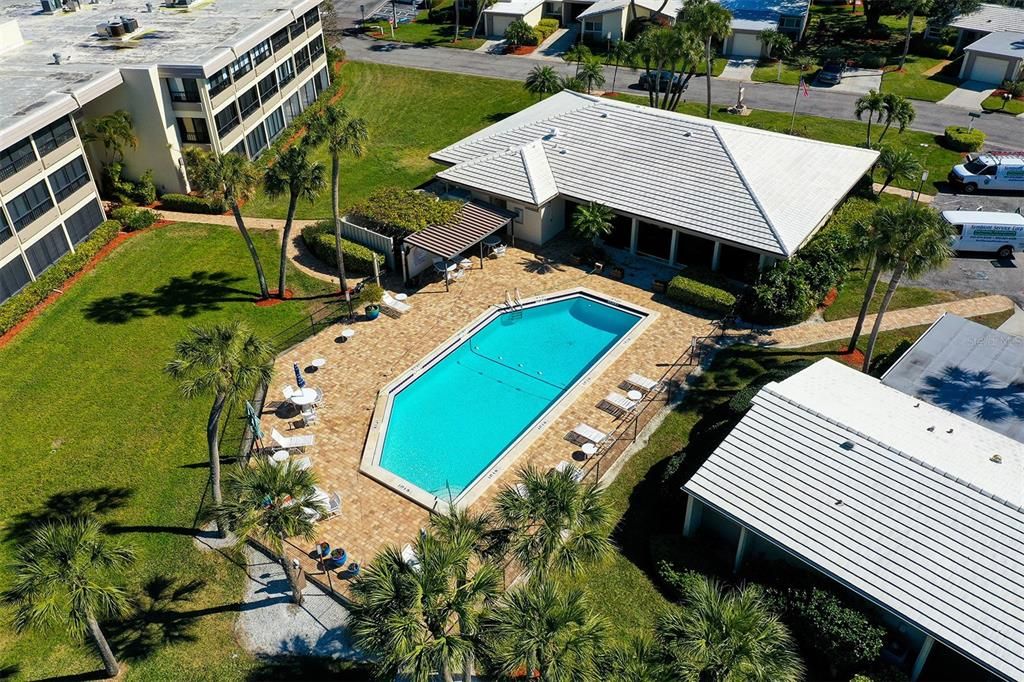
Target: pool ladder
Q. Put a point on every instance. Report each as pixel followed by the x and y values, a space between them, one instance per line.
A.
pixel 512 300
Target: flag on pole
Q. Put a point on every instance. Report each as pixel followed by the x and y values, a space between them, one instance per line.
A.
pixel 803 86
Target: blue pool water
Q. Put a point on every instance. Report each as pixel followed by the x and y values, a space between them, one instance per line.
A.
pixel 459 416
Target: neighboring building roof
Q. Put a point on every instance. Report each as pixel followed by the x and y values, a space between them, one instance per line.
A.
pixel 992 18
pixel 671 8
pixel 983 218
pixel 895 498
pixel 968 369
pixel 514 7
pixel 203 36
pixel 763 190
pixel 1002 43
pixel 763 13
pixel 474 221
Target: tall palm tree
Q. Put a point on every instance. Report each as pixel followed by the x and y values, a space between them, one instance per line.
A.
pixel 921 244
pixel 727 635
pixel 911 7
pixel 269 503
pixel 711 22
pixel 544 632
pixel 622 53
pixel 294 173
pixel 64 576
pixel 542 81
pixel 235 179
pixel 481 6
pixel 897 164
pixel 637 660
pixel 873 104
pixel 870 239
pixel 344 135
pixel 555 522
pixel 228 362
pixel 114 131
pixel 592 221
pixel 591 72
pixel 455 33
pixel 898 109
pixel 578 53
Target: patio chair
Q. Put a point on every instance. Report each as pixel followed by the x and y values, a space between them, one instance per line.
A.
pixel 311 514
pixel 584 433
pixel 302 464
pixel 291 442
pixel 309 416
pixel 319 400
pixel 456 275
pixel 640 383
pixel 617 404
pixel 288 392
pixel 574 471
pixel 334 504
pixel 409 557
pixel 499 250
pixel 521 490
pixel 392 307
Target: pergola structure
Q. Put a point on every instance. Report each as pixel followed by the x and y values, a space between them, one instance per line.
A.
pixel 474 222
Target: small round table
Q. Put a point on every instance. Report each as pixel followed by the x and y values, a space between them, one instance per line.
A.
pixel 492 241
pixel 319 362
pixel 280 457
pixel 401 297
pixel 589 450
pixel 303 397
pixel 634 395
pixel 348 333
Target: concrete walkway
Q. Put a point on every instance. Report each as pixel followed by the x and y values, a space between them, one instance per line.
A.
pixel 812 332
pixel 1014 325
pixel 905 193
pixel 968 95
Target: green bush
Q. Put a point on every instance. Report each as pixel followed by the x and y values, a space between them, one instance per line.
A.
pixel 405 210
pixel 133 218
pixel 319 237
pixel 520 33
pixel 371 294
pixel 127 191
pixel 702 289
pixel 549 22
pixel 544 29
pixel 781 295
pixel 190 204
pixel 21 304
pixel 1015 88
pixel 872 60
pixel 883 362
pixel 960 139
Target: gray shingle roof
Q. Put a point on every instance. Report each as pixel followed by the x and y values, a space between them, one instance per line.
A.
pixel 751 187
pixel 844 473
pixel 992 18
pixel 1002 43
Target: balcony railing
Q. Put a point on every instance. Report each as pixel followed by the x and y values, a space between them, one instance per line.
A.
pixel 54 141
pixel 249 109
pixel 227 127
pixel 195 137
pixel 185 96
pixel 28 218
pixel 14 165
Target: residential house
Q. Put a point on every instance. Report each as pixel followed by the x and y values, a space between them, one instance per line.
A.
pixel 751 17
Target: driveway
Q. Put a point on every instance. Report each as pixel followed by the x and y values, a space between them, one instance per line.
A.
pixel 855 82
pixel 738 70
pixel 969 95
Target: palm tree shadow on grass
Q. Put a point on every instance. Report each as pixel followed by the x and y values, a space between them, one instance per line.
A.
pixel 72 504
pixel 180 297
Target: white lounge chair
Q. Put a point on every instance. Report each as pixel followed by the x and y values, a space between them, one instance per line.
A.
pixel 584 433
pixel 574 471
pixel 617 404
pixel 409 557
pixel 334 504
pixel 640 383
pixel 311 514
pixel 303 463
pixel 289 443
pixel 319 400
pixel 392 306
pixel 288 392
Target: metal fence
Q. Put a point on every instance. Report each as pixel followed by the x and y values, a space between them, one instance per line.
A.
pixel 371 240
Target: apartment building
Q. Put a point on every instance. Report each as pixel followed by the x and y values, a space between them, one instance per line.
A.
pixel 226 75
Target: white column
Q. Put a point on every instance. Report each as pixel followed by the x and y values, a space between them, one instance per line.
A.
pixel 716 256
pixel 633 234
pixel 694 507
pixel 741 549
pixel 673 247
pixel 922 657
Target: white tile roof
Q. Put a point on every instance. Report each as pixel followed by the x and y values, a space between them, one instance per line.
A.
pixel 870 486
pixel 515 7
pixel 519 173
pixel 992 18
pixel 754 188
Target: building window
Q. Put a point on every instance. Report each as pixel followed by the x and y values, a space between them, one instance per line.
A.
pixel 68 179
pixel 83 222
pixel 285 73
pixel 592 26
pixel 239 149
pixel 29 205
pixel 13 277
pixel 16 157
pixel 553 8
pixel 296 28
pixel 307 95
pixel 256 141
pixel 54 135
pixel 311 17
pixel 275 124
pixel 248 103
pixel 291 108
pixel 316 48
pixel 193 130
pixel 302 59
pixel 240 67
pixel 792 23
pixel 261 52
pixel 47 250
pixel 183 89
pixel 321 81
pixel 218 82
pixel 226 119
pixel 5 229
pixel 268 86
pixel 280 39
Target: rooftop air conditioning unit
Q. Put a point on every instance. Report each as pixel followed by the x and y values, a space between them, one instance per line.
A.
pixel 130 24
pixel 116 29
pixel 50 6
pixel 102 30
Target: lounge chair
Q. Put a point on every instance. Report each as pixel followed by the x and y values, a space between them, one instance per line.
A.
pixel 521 490
pixel 574 471
pixel 409 557
pixel 617 404
pixel 584 433
pixel 640 383
pixel 292 442
pixel 288 392
pixel 392 306
pixel 311 514
pixel 334 504
pixel 303 463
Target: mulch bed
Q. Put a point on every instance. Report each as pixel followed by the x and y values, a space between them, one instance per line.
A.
pixel 854 359
pixel 273 300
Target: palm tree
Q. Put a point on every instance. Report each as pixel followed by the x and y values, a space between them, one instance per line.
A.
pixel 541 631
pixel 114 131
pixel 229 362
pixel 577 53
pixel 294 173
pixel 898 109
pixel 63 575
pixel 344 135
pixel 874 104
pixel 542 81
pixel 911 7
pixel 455 34
pixel 573 83
pixel 720 636
pixel 591 73
pixel 554 522
pixel 897 164
pixel 711 22
pixel 778 44
pixel 622 52
pixel 921 244
pixel 638 660
pixel 870 238
pixel 592 221
pixel 481 6
pixel 268 503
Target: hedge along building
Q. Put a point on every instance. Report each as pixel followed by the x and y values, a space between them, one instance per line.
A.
pixel 225 75
pixel 684 190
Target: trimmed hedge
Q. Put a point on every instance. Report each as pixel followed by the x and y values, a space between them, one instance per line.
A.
pixel 190 204
pixel 133 218
pixel 404 209
pixel 319 237
pixel 14 309
pixel 960 139
pixel 702 289
pixel 872 60
pixel 544 29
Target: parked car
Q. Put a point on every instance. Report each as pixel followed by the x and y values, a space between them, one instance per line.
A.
pixel 662 78
pixel 991 171
pixel 988 231
pixel 832 72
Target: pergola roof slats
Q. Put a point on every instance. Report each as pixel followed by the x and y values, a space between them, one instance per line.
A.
pixel 475 221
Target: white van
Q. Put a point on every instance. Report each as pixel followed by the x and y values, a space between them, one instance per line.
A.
pixel 989 231
pixel 997 171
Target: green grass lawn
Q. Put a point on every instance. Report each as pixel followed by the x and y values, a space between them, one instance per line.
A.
pixel 851 295
pixel 791 73
pixel 431 32
pixel 910 82
pixel 411 113
pixel 1014 107
pixel 93 423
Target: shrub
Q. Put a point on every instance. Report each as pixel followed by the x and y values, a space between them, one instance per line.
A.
pixel 702 289
pixel 127 191
pixel 520 33
pixel 872 60
pixel 544 29
pixel 1015 88
pixel 190 204
pixel 549 22
pixel 319 237
pixel 21 304
pixel 781 295
pixel 371 294
pixel 882 363
pixel 404 210
pixel 960 139
pixel 133 218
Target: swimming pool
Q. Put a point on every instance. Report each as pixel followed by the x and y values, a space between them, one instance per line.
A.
pixel 445 423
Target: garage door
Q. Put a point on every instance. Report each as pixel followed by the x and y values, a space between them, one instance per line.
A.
pixel 988 70
pixel 746 45
pixel 500 23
